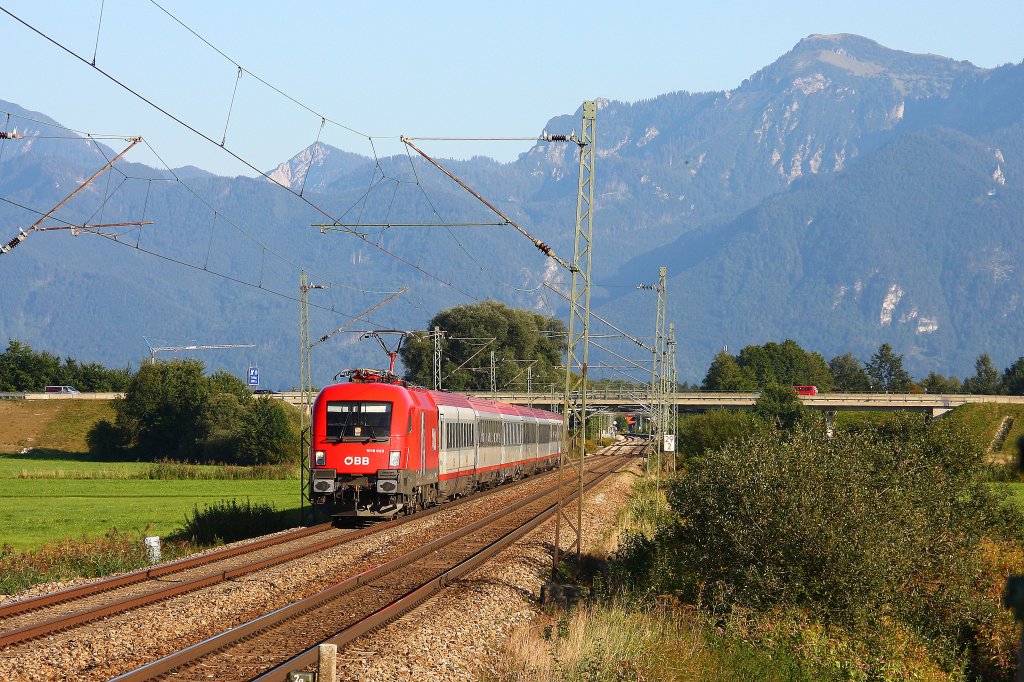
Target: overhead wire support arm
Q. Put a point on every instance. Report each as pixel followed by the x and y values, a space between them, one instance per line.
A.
pixel 545 137
pixel 77 229
pixel 138 223
pixel 544 248
pixel 350 228
pixel 22 234
pixel 357 317
pixel 624 334
pixel 153 350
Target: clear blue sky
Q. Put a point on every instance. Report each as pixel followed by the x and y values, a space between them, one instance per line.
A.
pixel 459 69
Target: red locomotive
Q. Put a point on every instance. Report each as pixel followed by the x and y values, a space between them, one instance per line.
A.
pixel 381 447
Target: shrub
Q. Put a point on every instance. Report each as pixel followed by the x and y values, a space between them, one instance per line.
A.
pixel 877 524
pixel 779 406
pixel 230 520
pixel 266 435
pixel 172 411
pixel 711 430
pixel 106 441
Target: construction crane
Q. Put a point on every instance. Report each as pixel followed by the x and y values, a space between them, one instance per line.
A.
pixel 153 350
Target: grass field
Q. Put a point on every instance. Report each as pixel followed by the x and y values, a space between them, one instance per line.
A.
pixel 981 419
pixel 58 464
pixel 37 511
pixel 55 491
pixel 1016 492
pixel 984 420
pixel 50 424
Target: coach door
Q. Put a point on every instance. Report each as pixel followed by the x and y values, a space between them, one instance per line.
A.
pixel 423 443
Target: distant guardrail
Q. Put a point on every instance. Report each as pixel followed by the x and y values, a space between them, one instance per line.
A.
pixel 64 396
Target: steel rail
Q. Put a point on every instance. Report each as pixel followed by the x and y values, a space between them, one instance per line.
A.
pixel 119 606
pixel 72 593
pixel 165 666
pixel 410 601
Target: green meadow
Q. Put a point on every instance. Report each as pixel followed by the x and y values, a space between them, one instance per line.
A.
pixel 36 511
pixel 55 492
pixel 1016 492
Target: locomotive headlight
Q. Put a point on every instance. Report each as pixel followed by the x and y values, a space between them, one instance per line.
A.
pixel 395 458
pixel 319 458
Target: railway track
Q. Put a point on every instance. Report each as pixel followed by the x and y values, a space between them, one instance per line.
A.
pixel 268 647
pixel 38 617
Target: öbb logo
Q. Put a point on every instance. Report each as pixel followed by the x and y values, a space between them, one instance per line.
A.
pixel 357 461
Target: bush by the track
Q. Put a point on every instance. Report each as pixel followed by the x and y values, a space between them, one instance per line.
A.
pixel 231 520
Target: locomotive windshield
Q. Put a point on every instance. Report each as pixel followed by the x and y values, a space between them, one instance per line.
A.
pixel 358 421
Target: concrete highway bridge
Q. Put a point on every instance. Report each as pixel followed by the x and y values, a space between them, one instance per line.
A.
pixel 619 401
pixel 627 401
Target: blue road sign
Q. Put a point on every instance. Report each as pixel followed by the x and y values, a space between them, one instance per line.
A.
pixel 254 376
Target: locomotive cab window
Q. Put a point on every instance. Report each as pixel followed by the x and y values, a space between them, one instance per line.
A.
pixel 358 421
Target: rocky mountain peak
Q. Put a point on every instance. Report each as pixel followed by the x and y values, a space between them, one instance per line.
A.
pixel 292 172
pixel 852 59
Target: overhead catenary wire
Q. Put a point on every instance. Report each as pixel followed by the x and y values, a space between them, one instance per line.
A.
pixel 356 318
pixel 433 208
pixel 469 254
pixel 544 248
pixel 323 120
pixel 240 70
pixel 137 246
pixel 488 341
pixel 255 76
pixel 22 234
pixel 625 335
pixel 248 164
pixel 280 256
pixel 631 362
pixel 174 177
pixel 99 26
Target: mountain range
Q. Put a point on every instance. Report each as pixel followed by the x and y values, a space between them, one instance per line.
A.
pixel 845 196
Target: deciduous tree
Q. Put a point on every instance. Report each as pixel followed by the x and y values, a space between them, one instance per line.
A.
pixel 521 338
pixel 725 374
pixel 937 383
pixel 780 406
pixel 172 410
pixel 885 369
pixel 783 363
pixel 1013 377
pixel 986 380
pixel 848 373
